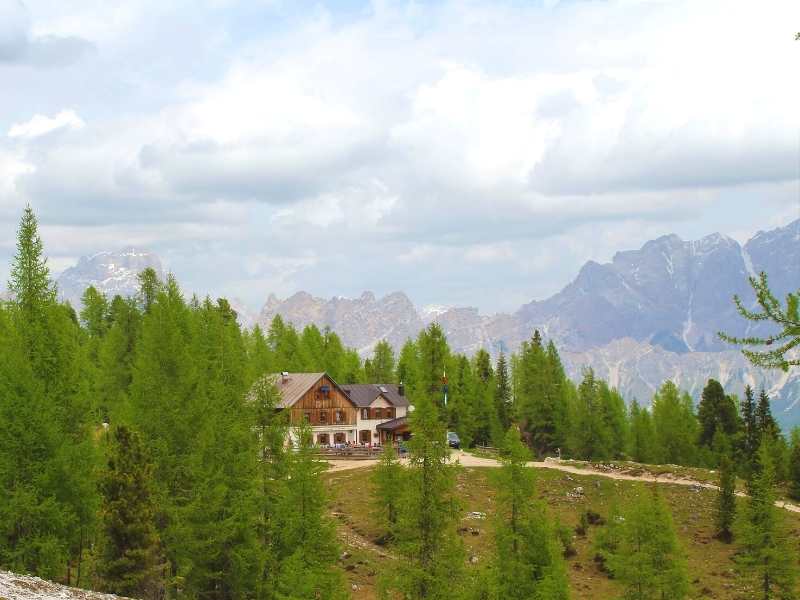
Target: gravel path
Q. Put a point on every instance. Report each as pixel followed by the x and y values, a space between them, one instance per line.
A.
pixel 469 460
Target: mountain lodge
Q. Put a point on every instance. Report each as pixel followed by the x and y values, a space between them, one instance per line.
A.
pixel 358 414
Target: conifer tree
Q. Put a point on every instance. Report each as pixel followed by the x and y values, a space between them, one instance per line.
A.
pixel 788 319
pixel 115 358
pixel 541 406
pixel 51 505
pixel 387 483
pixel 716 412
pixel 767 559
pixel 149 286
pixel 433 554
pixel 260 357
pixel 528 561
pixel 725 510
pixel 312 350
pixel 334 358
pixel 593 435
pixel 794 466
pixel 648 562
pixel 750 433
pixel 765 422
pixel 408 368
pixel 382 364
pixel 30 282
pixel 433 357
pixel 675 425
pixel 130 563
pixel 307 538
pixel 642 437
pixel 502 396
pixel 464 407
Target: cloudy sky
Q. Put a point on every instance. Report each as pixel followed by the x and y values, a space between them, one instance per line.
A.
pixel 465 152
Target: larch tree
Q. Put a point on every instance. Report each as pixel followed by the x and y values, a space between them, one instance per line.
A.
pixel 794 465
pixel 786 319
pixel 642 434
pixel 675 425
pixel 306 545
pixel 648 561
pixel 528 562
pixel 387 484
pixel 382 364
pixel 767 559
pixel 433 554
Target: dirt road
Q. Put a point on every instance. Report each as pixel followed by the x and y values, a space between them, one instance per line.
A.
pixel 469 460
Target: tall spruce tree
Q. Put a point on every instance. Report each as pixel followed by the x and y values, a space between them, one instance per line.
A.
pixel 765 422
pixel 541 406
pixel 725 509
pixel 130 563
pixel 502 395
pixel 750 433
pixel 716 412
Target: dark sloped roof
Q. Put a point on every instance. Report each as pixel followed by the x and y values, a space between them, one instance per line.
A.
pixel 394 424
pixel 364 394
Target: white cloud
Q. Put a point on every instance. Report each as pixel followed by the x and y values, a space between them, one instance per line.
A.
pixel 389 138
pixel 40 125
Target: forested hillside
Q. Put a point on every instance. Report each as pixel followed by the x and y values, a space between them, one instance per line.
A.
pixel 141 454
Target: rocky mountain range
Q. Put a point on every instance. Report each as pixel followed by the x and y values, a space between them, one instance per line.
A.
pixel 648 315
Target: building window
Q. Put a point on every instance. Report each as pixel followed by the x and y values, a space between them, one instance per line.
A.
pixel 307 417
pixel 323 439
pixel 364 436
pixel 323 416
pixel 365 413
pixel 378 413
pixel 389 414
pixel 340 416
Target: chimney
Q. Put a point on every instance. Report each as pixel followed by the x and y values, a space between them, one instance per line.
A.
pixel 401 389
pixel 285 376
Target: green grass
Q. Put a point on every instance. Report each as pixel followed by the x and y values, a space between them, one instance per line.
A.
pixel 710 561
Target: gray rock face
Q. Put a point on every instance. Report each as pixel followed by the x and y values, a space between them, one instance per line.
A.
pixel 361 322
pixel 110 272
pixel 672 293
